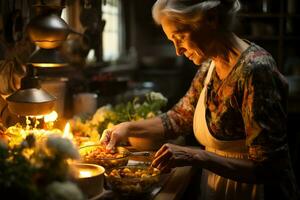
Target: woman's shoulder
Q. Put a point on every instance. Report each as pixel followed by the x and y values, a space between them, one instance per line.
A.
pixel 258 55
pixel 255 59
pixel 259 65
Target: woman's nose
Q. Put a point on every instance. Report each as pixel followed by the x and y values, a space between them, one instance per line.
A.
pixel 179 49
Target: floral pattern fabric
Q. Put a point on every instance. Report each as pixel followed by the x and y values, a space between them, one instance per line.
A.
pixel 250 104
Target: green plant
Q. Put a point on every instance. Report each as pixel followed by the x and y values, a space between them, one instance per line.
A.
pixel 108 115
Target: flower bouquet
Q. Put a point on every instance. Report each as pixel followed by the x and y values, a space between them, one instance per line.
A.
pixel 38 169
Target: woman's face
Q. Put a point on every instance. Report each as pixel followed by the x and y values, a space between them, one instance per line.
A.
pixel 195 45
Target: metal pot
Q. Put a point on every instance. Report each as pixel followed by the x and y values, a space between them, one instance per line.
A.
pixel 48 31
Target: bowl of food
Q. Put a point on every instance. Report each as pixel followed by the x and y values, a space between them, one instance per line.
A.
pixel 133 180
pixel 97 154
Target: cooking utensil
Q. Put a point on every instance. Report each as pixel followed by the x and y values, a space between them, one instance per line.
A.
pixel 96 154
pixel 48 30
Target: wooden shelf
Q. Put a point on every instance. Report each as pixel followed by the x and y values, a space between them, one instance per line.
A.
pixel 292 15
pixel 277 20
pixel 260 15
pixel 290 38
pixel 267 15
pixel 160 72
pixel 268 38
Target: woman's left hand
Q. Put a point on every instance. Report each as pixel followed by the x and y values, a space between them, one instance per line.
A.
pixel 171 155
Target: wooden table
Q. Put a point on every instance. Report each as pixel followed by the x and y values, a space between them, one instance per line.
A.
pixel 173 187
pixel 176 184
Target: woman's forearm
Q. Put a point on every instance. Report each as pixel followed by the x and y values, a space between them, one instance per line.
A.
pixel 235 169
pixel 152 128
pixel 243 170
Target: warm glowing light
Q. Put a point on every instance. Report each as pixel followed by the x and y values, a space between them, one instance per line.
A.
pixel 85 174
pixel 67 132
pixel 35 116
pixel 49 64
pixel 51 117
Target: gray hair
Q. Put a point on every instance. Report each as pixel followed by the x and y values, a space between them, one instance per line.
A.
pixel 191 12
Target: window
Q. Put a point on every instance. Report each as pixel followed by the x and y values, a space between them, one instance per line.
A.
pixel 111 34
pixel 64 14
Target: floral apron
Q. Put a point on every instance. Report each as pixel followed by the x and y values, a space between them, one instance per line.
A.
pixel 213 186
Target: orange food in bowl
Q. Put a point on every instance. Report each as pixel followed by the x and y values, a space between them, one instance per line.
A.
pixel 97 154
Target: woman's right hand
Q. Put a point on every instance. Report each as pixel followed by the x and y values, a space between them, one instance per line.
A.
pixel 110 137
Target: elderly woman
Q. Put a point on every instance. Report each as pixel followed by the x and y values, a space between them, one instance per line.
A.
pixel 236 106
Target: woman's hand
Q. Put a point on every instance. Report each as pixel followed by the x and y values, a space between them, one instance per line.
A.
pixel 110 137
pixel 171 155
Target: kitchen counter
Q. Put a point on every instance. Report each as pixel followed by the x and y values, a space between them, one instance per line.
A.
pixel 176 184
pixel 172 187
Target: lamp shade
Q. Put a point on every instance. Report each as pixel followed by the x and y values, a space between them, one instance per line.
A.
pixel 47 58
pixel 31 101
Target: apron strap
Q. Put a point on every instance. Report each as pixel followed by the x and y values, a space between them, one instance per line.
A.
pixel 201 130
pixel 209 73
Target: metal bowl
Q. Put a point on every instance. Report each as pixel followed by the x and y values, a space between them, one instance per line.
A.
pixel 92 184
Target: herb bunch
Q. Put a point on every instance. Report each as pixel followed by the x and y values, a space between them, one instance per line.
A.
pixel 106 116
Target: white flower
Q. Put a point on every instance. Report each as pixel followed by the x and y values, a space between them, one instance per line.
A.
pixel 62 146
pixel 136 105
pixel 157 96
pixel 101 114
pixel 63 191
